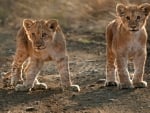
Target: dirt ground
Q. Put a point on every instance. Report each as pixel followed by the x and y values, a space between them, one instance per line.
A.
pixel 87 65
pixel 84 31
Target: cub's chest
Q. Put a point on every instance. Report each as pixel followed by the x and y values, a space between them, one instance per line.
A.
pixel 134 44
pixel 42 55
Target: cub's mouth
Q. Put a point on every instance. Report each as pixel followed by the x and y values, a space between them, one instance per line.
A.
pixel 39 48
pixel 134 30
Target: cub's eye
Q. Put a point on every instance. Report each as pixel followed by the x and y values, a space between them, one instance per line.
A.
pixel 44 34
pixel 128 18
pixel 138 18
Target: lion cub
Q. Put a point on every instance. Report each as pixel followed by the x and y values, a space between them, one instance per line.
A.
pixel 126 37
pixel 40 41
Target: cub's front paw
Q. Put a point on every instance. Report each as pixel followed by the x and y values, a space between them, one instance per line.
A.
pixel 40 86
pixel 6 79
pixel 111 83
pixel 142 84
pixel 14 81
pixel 6 82
pixel 127 85
pixel 74 88
pixel 22 87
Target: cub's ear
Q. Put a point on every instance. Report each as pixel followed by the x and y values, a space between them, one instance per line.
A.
pixel 121 9
pixel 27 23
pixel 145 8
pixel 52 24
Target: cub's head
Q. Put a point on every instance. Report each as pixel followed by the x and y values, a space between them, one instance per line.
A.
pixel 133 17
pixel 40 32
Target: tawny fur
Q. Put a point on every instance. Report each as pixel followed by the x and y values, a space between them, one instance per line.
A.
pixel 39 41
pixel 126 38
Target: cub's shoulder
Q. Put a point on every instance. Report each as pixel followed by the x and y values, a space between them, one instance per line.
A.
pixel 21 38
pixel 113 26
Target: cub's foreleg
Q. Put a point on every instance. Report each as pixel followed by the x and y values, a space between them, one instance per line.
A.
pixel 63 68
pixel 122 68
pixel 111 79
pixel 31 73
pixel 16 71
pixel 139 65
pixel 20 56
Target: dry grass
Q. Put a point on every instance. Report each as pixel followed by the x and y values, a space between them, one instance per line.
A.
pixel 71 13
pixel 77 15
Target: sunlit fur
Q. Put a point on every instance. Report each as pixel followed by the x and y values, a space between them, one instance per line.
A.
pixel 39 41
pixel 126 38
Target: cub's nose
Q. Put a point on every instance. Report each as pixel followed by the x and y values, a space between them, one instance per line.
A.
pixel 38 44
pixel 133 26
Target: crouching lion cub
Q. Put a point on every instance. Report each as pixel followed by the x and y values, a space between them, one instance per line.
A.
pixel 40 41
pixel 126 37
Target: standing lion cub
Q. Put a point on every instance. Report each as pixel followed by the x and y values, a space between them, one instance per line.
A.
pixel 126 38
pixel 40 41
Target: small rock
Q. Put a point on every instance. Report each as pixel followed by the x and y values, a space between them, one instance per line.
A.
pixel 95 71
pixel 30 109
pixel 92 85
pixel 141 107
pixel 36 102
pixel 64 109
pixel 74 95
pixel 48 106
pixel 100 81
pixel 96 64
pixel 113 100
pixel 89 98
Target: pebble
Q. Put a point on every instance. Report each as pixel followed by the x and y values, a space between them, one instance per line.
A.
pixel 36 102
pixel 30 109
pixel 112 99
pixel 95 71
pixel 100 81
pixel 92 85
pixel 141 107
pixel 74 95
